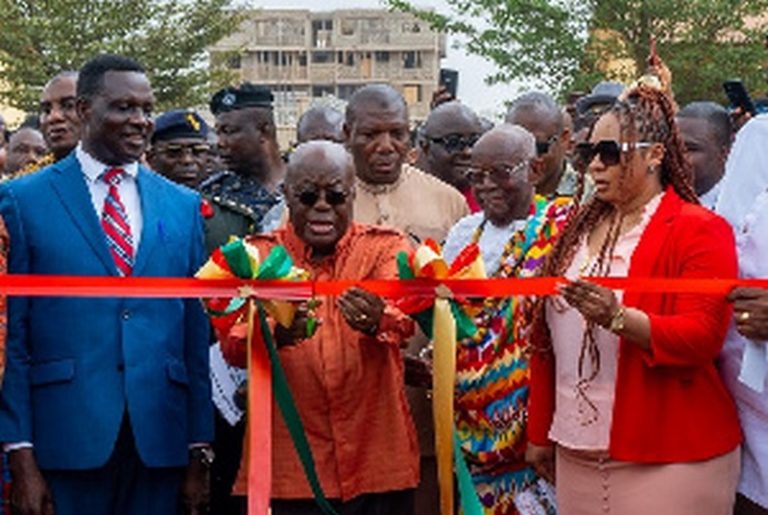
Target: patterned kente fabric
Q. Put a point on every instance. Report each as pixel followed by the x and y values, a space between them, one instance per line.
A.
pixel 492 369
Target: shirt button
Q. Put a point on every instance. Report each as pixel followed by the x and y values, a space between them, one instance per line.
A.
pixel 120 367
pixel 126 314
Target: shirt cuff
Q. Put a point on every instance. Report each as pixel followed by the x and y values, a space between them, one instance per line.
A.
pixel 198 445
pixel 15 446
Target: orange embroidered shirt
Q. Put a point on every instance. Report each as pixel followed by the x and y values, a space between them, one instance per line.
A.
pixel 348 387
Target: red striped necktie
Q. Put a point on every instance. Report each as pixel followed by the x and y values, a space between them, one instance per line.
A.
pixel 114 220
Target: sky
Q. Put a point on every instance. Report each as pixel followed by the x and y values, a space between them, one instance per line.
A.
pixel 486 100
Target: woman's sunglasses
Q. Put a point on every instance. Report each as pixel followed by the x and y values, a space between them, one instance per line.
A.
pixel 333 197
pixel 608 150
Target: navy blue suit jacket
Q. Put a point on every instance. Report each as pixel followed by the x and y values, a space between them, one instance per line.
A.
pixel 75 366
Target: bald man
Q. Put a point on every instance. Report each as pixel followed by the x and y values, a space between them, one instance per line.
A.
pixel 539 114
pixel 391 192
pixel 448 134
pixel 514 232
pixel 347 377
pixel 321 123
pixel 502 177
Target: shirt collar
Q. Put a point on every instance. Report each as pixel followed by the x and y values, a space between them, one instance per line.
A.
pixel 93 168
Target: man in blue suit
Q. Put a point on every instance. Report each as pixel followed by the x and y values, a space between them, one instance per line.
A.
pixel 106 404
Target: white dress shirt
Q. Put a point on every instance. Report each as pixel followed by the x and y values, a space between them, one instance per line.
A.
pixel 127 189
pixel 491 243
pixel 709 199
pixel 752 247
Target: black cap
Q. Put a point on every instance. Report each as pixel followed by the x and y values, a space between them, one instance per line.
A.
pixel 603 96
pixel 247 95
pixel 179 123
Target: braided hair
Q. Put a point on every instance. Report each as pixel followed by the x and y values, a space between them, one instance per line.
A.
pixel 645 114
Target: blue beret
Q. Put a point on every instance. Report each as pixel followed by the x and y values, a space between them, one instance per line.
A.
pixel 246 95
pixel 179 123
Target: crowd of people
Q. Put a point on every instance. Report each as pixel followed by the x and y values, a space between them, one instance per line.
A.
pixel 591 400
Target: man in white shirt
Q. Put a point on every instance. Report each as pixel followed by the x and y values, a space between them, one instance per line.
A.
pixel 744 359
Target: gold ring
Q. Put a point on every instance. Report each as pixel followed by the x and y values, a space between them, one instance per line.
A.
pixel 744 316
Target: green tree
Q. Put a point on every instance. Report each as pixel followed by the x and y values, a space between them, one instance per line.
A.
pixel 563 45
pixel 40 38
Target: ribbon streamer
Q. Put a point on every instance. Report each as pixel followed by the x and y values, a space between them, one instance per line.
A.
pixel 175 287
pixel 444 319
pixel 239 259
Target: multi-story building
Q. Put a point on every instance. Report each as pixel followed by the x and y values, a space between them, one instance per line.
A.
pixel 305 56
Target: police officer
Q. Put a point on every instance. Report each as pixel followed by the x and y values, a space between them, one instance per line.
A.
pixel 179 147
pixel 243 199
pixel 246 197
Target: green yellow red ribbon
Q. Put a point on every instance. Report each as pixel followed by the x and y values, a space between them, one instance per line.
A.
pixel 444 319
pixel 239 259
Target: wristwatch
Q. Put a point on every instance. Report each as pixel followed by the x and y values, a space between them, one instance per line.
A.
pixel 617 321
pixel 203 454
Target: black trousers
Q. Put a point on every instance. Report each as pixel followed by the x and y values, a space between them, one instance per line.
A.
pixel 387 503
pixel 228 447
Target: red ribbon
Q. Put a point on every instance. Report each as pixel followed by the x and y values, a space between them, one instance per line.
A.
pixel 158 287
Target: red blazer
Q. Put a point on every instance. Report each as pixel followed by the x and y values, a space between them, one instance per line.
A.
pixel 670 404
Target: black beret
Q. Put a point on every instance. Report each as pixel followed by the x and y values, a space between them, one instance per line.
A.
pixel 179 123
pixel 247 95
pixel 603 95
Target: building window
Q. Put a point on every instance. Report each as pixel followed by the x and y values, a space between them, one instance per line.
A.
pixel 381 57
pixel 322 90
pixel 322 57
pixel 302 59
pixel 321 33
pixel 411 60
pixel 412 94
pixel 348 27
pixel 350 60
pixel 347 90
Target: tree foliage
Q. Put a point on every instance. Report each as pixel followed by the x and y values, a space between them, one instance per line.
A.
pixel 563 45
pixel 40 38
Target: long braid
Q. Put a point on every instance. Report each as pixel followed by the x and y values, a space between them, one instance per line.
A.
pixel 646 114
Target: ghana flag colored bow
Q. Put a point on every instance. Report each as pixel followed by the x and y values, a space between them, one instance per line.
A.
pixel 239 259
pixel 444 319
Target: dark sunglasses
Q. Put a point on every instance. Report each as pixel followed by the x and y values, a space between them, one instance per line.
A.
pixel 542 147
pixel 456 143
pixel 498 175
pixel 333 197
pixel 608 150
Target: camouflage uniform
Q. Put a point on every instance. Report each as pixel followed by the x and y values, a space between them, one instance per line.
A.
pixel 240 206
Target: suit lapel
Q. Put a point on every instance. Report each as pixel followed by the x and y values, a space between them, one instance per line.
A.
pixel 152 226
pixel 69 184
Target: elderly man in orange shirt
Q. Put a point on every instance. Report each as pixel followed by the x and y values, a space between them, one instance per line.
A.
pixel 347 378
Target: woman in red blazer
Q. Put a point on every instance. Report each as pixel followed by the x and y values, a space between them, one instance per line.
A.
pixel 624 390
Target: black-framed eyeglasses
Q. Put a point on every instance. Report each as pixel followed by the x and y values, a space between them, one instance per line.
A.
pixel 333 197
pixel 453 143
pixel 542 147
pixel 499 174
pixel 608 150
